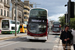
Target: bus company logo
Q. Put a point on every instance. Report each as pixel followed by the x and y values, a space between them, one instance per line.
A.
pixel 37 20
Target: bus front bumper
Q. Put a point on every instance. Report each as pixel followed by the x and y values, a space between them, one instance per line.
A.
pixel 36 38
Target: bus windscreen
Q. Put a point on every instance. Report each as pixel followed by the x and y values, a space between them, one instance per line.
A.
pixel 38 13
pixel 37 28
pixel 5 24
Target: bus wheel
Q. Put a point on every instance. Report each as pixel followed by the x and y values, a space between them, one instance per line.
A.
pixel 30 39
pixel 44 40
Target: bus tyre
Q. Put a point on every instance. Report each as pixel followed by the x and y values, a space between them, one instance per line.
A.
pixel 30 39
pixel 44 40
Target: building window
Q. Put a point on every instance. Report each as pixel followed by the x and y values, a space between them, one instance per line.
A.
pixel 4 13
pixel 25 17
pixel 8 2
pixel 26 9
pixel 0 0
pixel 5 1
pixel 19 14
pixel 1 12
pixel 25 12
pixel 7 13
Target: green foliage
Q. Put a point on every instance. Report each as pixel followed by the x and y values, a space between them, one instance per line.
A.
pixel 72 23
pixel 62 21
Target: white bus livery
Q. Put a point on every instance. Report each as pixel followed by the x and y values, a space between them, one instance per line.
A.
pixel 8 26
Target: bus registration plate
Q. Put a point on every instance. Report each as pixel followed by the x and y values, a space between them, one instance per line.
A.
pixel 36 37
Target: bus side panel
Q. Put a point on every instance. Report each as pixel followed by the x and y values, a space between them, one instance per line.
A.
pixel 19 29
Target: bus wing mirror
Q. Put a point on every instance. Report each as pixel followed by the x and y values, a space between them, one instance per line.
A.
pixel 27 26
pixel 48 25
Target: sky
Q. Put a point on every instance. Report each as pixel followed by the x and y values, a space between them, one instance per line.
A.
pixel 55 8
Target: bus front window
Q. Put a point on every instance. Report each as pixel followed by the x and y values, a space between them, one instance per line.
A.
pixel 37 28
pixel 5 24
pixel 56 29
pixel 38 13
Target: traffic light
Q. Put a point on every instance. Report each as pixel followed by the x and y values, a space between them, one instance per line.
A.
pixel 66 18
pixel 71 9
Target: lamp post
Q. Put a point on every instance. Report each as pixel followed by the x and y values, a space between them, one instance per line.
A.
pixel 66 18
pixel 68 10
pixel 15 17
pixel 69 13
pixel 35 4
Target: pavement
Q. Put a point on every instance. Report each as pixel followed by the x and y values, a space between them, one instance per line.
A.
pixel 11 36
pixel 58 46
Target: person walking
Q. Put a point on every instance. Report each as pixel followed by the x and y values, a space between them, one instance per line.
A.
pixel 66 38
pixel 73 33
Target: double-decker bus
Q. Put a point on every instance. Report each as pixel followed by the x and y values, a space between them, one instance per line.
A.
pixel 56 27
pixel 8 26
pixel 37 24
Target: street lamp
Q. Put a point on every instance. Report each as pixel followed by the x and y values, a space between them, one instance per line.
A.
pixel 35 4
pixel 16 17
pixel 68 11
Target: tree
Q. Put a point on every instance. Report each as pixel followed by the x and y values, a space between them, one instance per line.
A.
pixel 62 21
pixel 72 23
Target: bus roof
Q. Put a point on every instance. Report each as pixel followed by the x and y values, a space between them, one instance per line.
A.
pixel 9 20
pixel 39 8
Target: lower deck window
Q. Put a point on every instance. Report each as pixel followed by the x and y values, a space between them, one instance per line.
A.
pixel 13 28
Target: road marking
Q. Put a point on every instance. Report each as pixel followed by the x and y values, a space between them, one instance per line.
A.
pixel 59 46
pixel 1 41
pixel 11 37
pixel 8 44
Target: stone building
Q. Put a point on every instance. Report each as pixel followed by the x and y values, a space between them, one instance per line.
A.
pixel 26 10
pixel 23 9
pixel 20 7
pixel 4 10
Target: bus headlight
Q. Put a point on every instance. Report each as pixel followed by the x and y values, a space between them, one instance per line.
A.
pixel 44 26
pixel 39 26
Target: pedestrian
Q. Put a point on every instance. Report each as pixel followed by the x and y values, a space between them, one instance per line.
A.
pixel 73 33
pixel 66 38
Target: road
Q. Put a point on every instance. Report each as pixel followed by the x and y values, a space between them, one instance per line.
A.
pixel 22 43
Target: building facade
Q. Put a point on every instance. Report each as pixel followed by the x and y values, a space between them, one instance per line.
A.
pixel 51 23
pixel 20 14
pixel 4 10
pixel 26 10
pixel 23 9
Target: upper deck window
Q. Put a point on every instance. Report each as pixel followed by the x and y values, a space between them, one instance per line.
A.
pixel 38 13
